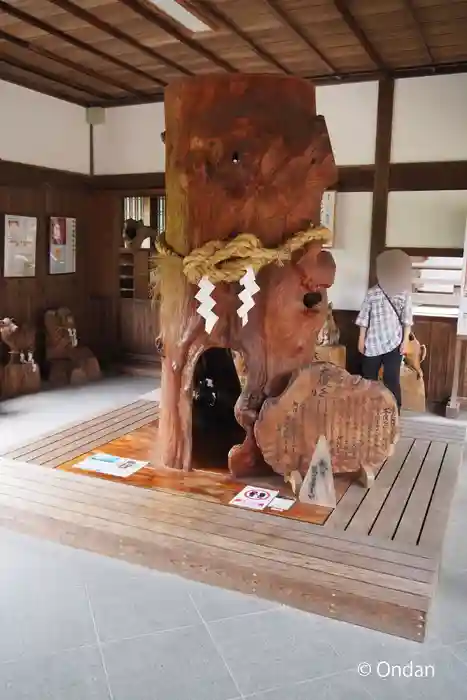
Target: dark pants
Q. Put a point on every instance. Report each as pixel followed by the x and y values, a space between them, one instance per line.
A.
pixel 391 363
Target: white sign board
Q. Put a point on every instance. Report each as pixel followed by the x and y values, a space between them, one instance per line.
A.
pixel 318 485
pixel 254 498
pixel 462 319
pixel 111 465
pixel 328 213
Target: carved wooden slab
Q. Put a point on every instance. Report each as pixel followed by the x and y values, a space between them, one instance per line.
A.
pixel 358 418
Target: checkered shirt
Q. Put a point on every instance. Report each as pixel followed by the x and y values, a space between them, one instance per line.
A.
pixel 384 327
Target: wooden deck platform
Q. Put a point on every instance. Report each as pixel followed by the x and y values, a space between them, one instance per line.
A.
pixel 373 560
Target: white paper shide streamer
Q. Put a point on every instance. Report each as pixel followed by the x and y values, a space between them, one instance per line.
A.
pixel 248 282
pixel 207 303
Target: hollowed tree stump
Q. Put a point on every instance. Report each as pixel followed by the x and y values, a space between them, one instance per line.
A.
pixel 244 154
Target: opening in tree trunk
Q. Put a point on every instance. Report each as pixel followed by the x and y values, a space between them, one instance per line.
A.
pixel 216 389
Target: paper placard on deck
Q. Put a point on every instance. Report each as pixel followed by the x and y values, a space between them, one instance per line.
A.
pixel 281 504
pixel 254 498
pixel 111 465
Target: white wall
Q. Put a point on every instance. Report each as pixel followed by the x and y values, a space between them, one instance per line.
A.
pixel 430 119
pixel 350 113
pixel 130 141
pixel 351 249
pixel 427 219
pixel 41 130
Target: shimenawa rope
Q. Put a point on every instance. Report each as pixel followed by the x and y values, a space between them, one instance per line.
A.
pixel 228 261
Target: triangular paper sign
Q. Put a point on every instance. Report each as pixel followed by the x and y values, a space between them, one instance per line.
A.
pixel 318 485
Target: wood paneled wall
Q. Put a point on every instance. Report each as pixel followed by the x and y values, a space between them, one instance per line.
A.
pixel 139 328
pixel 439 336
pixel 92 291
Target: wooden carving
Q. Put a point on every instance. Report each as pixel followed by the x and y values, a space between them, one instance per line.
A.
pixel 135 232
pixel 69 362
pixel 21 375
pixel 244 154
pixel 357 417
pixel 329 333
pixel 415 355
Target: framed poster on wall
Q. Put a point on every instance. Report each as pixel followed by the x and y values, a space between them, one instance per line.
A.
pixel 62 245
pixel 462 318
pixel 328 214
pixel 20 246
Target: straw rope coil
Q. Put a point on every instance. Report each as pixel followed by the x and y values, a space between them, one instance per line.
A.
pixel 228 261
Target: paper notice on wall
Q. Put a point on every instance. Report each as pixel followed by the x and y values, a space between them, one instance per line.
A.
pixel 20 246
pixel 254 498
pixel 62 245
pixel 462 318
pixel 110 465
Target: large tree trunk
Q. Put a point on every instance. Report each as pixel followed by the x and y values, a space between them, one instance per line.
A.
pixel 244 154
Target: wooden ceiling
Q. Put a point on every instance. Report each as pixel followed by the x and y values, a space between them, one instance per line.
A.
pixel 115 52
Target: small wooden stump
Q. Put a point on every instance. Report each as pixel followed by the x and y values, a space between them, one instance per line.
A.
pixel 358 418
pixel 21 375
pixel 19 379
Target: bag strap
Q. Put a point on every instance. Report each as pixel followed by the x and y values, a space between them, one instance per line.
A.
pixel 399 316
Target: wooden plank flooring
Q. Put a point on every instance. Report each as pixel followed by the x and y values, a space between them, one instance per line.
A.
pixel 372 561
pixel 79 438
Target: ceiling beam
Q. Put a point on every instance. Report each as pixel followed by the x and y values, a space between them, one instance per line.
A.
pixel 107 28
pixel 27 46
pixel 222 19
pixel 52 77
pixel 409 6
pixel 46 75
pixel 158 20
pixel 342 7
pixel 31 85
pixel 328 79
pixel 284 17
pixel 50 29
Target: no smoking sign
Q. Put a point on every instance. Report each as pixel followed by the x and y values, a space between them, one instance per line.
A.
pixel 254 498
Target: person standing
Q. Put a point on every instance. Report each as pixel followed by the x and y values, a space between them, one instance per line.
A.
pixel 385 321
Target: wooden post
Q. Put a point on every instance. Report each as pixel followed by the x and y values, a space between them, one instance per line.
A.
pixel 382 171
pixel 244 154
pixel 453 407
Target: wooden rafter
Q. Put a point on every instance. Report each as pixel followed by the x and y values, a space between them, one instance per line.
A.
pixel 222 19
pixel 64 82
pixel 409 6
pixel 30 84
pixel 83 46
pixel 167 26
pixel 107 28
pixel 343 9
pixel 284 17
pixel 44 53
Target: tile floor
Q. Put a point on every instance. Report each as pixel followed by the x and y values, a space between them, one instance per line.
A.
pixel 77 626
